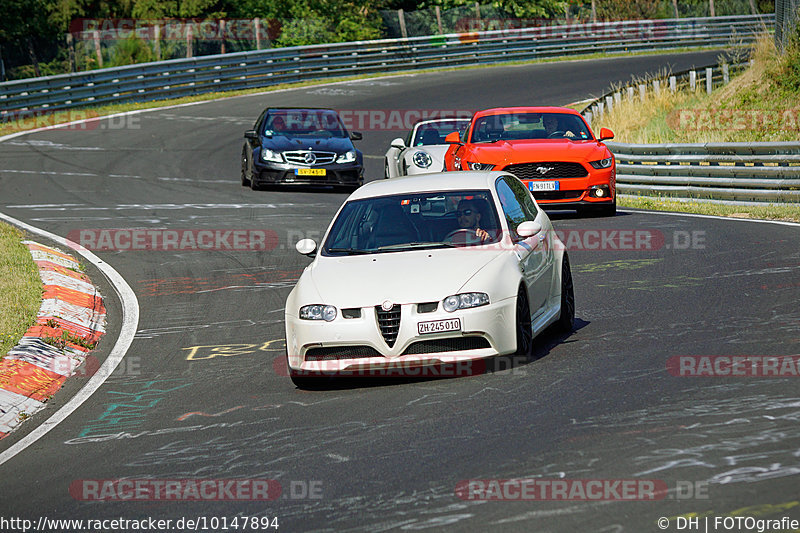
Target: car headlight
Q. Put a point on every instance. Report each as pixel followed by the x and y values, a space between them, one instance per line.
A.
pixel 465 301
pixel 603 163
pixel 318 312
pixel 269 155
pixel 480 166
pixel 422 159
pixel 347 157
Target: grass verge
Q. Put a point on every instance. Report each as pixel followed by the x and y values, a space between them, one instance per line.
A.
pixel 787 213
pixel 20 288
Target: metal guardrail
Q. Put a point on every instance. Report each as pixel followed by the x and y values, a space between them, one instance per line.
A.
pixel 260 68
pixel 744 172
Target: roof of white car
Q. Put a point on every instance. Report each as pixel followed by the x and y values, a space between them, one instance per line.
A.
pixel 441 181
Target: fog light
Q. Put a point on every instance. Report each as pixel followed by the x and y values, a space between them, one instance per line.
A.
pixel 600 193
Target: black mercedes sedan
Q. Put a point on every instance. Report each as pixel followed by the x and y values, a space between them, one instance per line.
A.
pixel 298 146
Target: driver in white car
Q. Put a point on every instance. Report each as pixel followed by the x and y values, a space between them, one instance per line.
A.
pixel 469 217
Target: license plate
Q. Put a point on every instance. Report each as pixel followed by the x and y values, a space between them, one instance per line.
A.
pixel 309 172
pixel 438 326
pixel 543 185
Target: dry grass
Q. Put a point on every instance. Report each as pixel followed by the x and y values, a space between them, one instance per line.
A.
pixel 20 288
pixel 756 106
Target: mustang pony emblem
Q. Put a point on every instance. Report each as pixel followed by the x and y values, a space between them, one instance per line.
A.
pixel 544 170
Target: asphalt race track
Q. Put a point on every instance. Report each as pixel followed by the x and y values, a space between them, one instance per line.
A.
pixel 200 393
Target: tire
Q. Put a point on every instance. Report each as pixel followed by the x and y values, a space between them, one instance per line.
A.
pixel 524 329
pixel 304 382
pixel 245 179
pixel 566 319
pixel 253 185
pixel 607 210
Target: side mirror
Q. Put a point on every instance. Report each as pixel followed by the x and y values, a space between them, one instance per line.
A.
pixel 452 138
pixel 356 136
pixel 251 134
pixel 529 228
pixel 398 143
pixel 606 134
pixel 306 247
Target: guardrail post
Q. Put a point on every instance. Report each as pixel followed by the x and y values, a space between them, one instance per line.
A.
pixel 631 92
pixel 600 109
pixel 726 78
pixel 642 91
pixel 610 103
pixel 656 87
pixel 673 84
pixel 693 80
pixel 588 117
pixel 617 98
pixel 709 79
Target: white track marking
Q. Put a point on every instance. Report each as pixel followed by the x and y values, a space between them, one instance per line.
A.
pixel 130 322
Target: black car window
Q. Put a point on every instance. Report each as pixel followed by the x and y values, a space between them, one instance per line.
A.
pixel 516 202
pixel 317 123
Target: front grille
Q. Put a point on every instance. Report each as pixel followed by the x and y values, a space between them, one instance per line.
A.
pixel 389 322
pixel 454 344
pixel 298 157
pixel 334 353
pixel 556 195
pixel 547 170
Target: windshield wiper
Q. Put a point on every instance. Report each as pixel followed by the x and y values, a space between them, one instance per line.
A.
pixel 348 251
pixel 415 245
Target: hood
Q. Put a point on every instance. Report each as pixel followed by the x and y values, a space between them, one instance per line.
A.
pixel 402 277
pixel 525 151
pixel 282 143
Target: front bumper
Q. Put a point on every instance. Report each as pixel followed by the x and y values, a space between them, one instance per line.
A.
pixel 356 345
pixel 573 192
pixel 283 174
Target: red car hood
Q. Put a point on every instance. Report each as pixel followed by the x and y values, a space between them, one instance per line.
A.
pixel 524 151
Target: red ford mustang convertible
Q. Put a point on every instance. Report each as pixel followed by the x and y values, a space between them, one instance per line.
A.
pixel 551 149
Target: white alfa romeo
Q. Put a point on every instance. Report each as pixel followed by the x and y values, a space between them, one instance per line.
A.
pixel 424 271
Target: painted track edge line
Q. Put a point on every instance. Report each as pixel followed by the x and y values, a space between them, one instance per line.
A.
pixel 130 323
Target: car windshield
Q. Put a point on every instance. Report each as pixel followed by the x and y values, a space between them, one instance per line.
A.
pixel 414 221
pixel 524 126
pixel 434 132
pixel 304 123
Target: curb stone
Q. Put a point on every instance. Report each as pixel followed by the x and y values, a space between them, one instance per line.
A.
pixel 72 318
